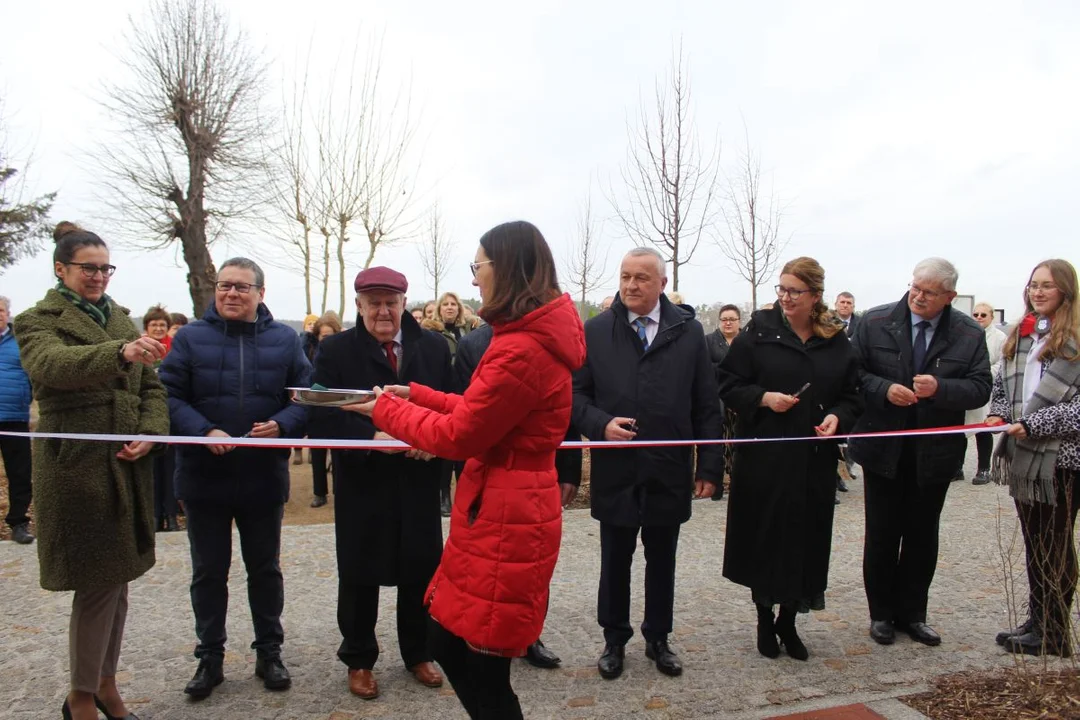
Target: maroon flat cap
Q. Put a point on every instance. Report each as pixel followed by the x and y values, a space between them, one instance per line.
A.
pixel 380 278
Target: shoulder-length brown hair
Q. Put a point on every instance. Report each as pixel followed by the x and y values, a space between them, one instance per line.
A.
pixel 810 272
pixel 525 276
pixel 1066 323
pixel 459 320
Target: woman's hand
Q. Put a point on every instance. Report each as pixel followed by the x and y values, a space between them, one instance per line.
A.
pixel 778 402
pixel 367 408
pixel 402 391
pixel 1017 431
pixel 135 450
pixel 383 437
pixel 828 426
pixel 145 350
pixel 995 420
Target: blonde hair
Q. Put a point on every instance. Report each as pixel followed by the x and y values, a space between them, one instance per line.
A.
pixel 807 269
pixel 459 320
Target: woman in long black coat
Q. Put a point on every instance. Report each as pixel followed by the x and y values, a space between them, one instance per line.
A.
pixel 779 528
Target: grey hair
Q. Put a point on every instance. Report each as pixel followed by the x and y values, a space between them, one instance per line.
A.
pixel 986 305
pixel 938 269
pixel 246 264
pixel 846 294
pixel 6 303
pixel 642 251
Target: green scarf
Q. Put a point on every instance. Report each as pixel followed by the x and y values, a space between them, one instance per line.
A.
pixel 1027 466
pixel 99 312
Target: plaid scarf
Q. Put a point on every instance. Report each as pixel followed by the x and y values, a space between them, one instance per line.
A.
pixel 1027 465
pixel 99 312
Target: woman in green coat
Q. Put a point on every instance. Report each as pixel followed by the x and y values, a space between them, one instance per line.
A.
pixel 91 373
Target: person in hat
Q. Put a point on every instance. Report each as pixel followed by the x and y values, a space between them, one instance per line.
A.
pixel 386 508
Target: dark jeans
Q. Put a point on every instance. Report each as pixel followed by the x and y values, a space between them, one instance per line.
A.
pixel 900 550
pixel 16 453
pixel 164 496
pixel 358 611
pixel 1051 555
pixel 617 546
pixel 482 682
pixel 318 471
pixel 984 445
pixel 209 528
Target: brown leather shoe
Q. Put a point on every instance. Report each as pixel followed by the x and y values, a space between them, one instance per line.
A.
pixel 426 674
pixel 362 683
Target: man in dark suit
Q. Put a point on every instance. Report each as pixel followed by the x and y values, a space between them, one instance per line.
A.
pixel 845 310
pixel 386 509
pixel 470 350
pixel 922 365
pixel 647 376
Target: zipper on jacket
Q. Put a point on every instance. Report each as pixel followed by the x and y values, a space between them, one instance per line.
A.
pixel 241 393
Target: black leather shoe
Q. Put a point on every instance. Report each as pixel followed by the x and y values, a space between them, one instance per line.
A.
pixel 1025 627
pixel 785 630
pixel 207 677
pixel 981 478
pixel 882 632
pixel 1034 643
pixel 21 534
pixel 921 632
pixel 273 673
pixel 666 661
pixel 539 656
pixel 610 663
pixel 840 484
pixel 105 711
pixel 318 501
pixel 766 633
pixel 445 504
pixel 172 524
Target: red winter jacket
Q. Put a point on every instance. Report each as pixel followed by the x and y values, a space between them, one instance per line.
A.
pixel 491 587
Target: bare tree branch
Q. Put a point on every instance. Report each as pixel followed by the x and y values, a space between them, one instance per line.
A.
pixel 436 250
pixel 585 269
pixel 23 221
pixel 752 240
pixel 671 185
pixel 190 159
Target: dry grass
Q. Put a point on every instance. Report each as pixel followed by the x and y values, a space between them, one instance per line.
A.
pixel 1007 694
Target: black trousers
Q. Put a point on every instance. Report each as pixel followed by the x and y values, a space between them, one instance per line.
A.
pixel 617 546
pixel 165 505
pixel 984 445
pixel 318 472
pixel 209 528
pixel 1051 555
pixel 481 682
pixel 16 453
pixel 358 611
pixel 900 550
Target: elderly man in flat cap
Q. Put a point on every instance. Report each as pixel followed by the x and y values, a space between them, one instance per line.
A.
pixel 386 504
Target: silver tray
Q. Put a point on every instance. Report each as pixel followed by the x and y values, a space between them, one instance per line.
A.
pixel 329 398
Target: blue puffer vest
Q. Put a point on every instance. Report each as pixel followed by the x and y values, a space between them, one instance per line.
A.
pixel 15 395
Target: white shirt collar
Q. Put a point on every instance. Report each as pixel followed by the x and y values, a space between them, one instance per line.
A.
pixel 654 315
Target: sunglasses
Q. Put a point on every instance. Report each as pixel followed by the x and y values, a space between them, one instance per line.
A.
pixel 980 315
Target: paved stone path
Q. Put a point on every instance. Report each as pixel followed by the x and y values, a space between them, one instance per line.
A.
pixel 725 677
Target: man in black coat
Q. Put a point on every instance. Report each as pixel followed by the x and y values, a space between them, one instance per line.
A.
pixel 922 365
pixel 386 504
pixel 845 310
pixel 470 349
pixel 647 376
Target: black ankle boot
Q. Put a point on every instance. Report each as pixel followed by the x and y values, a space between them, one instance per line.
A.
pixel 766 633
pixel 785 630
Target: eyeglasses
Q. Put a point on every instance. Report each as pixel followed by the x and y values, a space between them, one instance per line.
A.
pixel 89 270
pixel 792 293
pixel 1045 287
pixel 980 315
pixel 927 294
pixel 242 288
pixel 476 265
pixel 729 319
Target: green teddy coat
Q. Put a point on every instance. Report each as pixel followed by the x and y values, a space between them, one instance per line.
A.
pixel 94 512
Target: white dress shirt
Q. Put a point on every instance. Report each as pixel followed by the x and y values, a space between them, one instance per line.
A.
pixel 652 322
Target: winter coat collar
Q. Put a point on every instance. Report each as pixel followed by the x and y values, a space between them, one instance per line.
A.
pixel 80 325
pixel 673 319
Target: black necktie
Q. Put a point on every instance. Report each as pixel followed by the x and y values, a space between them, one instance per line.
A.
pixel 918 351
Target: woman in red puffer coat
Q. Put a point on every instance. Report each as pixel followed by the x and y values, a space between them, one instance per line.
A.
pixel 489 596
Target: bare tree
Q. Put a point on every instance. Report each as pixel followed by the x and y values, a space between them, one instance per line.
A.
pixel 752 240
pixel 437 249
pixel 585 269
pixel 671 183
pixel 189 159
pixel 23 220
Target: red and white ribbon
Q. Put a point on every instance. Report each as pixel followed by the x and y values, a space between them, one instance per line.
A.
pixel 336 444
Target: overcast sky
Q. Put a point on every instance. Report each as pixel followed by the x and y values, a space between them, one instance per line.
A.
pixel 892 132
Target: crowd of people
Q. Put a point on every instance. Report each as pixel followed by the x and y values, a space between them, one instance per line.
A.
pixel 488 396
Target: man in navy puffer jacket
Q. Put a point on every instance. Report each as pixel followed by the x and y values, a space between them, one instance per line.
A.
pixel 226 375
pixel 15 399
